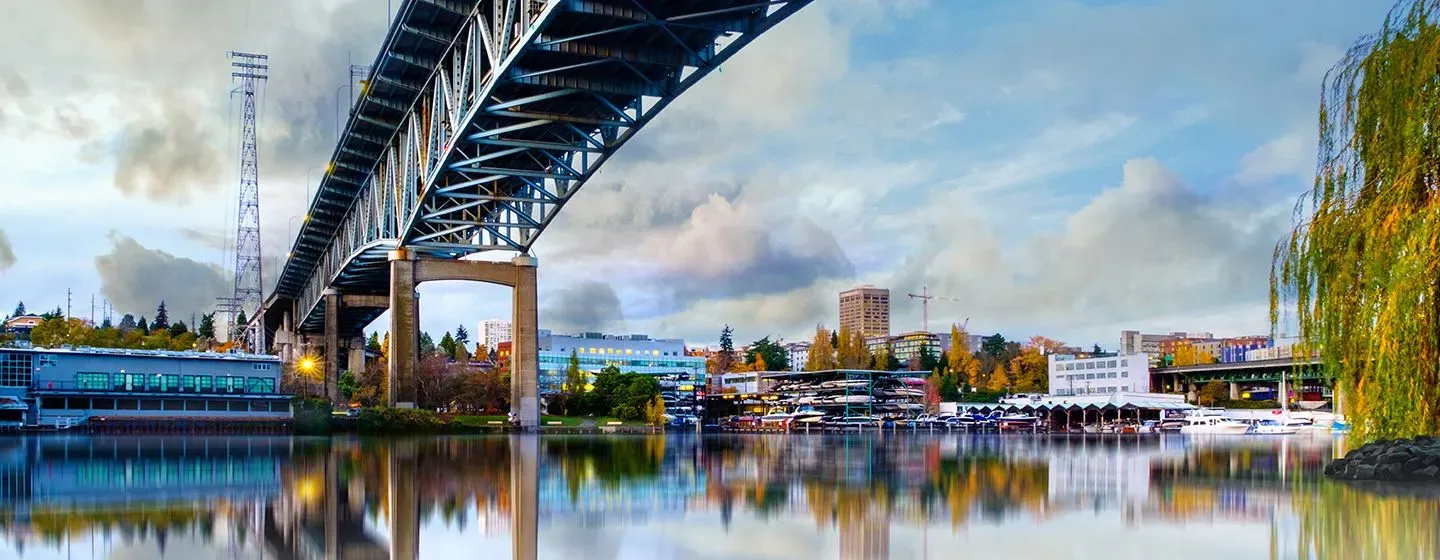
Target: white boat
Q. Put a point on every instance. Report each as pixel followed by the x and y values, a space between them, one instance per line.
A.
pixel 1271 427
pixel 775 415
pixel 1210 423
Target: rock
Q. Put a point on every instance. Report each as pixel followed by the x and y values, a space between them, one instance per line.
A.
pixel 1431 472
pixel 1363 472
pixel 1336 467
pixel 1415 459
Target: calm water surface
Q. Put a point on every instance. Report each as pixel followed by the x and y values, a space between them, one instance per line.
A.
pixel 683 497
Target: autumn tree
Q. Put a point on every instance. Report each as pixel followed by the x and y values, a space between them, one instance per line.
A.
pixel 932 393
pixel 999 380
pixel 1212 393
pixel 963 364
pixel 1187 354
pixel 482 353
pixel 851 352
pixel 1030 371
pixel 822 353
pixel 655 411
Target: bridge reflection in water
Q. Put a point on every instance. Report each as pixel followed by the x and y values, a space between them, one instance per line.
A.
pixel 865 496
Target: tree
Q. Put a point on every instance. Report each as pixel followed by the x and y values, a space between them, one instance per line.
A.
pixel 482 354
pixel 462 336
pixel 1030 371
pixel 1359 268
pixel 891 363
pixel 348 385
pixel 655 411
pixel 127 323
pixel 430 378
pixel 775 356
pixel 932 393
pixel 993 346
pixel 1187 354
pixel 19 309
pixel 575 380
pixel 179 328
pixel 447 345
pixel 999 380
pixel 1212 393
pixel 427 344
pixel 1097 350
pixel 822 353
pixel 927 359
pixel 725 359
pixel 143 326
pixel 759 364
pixel 240 318
pixel 162 318
pixel 949 391
pixel 56 314
pixel 385 348
pixel 373 344
pixel 851 352
pixel 962 362
pixel 207 326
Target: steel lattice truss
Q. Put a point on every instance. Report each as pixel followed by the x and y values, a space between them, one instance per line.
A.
pixel 481 120
pixel 249 71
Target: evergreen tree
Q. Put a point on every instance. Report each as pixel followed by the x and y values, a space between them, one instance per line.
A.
pixel 427 344
pixel 207 326
pixel 241 320
pixel 726 358
pixel 127 323
pixel 374 343
pixel 447 344
pixel 106 324
pixel 179 328
pixel 143 326
pixel 994 346
pixel 19 309
pixel 775 356
pixel 1097 351
pixel 891 362
pixel 462 336
pixel 162 318
pixel 834 339
pixel 56 314
pixel 574 379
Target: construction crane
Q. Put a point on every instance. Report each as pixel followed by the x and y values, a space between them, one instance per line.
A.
pixel 925 296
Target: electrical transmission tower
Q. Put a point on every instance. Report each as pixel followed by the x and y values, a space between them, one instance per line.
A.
pixel 249 70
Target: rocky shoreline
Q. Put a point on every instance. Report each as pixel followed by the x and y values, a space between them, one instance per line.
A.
pixel 1397 460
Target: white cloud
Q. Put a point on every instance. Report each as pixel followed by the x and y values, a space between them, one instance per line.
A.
pixel 1291 155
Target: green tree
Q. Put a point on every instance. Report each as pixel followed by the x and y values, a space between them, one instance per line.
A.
pixel 725 359
pixel 775 356
pixel 1212 393
pixel 347 385
pixel 949 390
pixel 178 328
pixel 447 345
pixel 207 326
pixel 427 344
pixel 127 323
pixel 928 360
pixel 462 336
pixel 993 346
pixel 162 318
pixel 143 326
pixel 892 363
pixel 240 319
pixel 19 309
pixel 575 379
pixel 374 343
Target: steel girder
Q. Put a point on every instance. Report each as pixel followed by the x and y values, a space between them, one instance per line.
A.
pixel 525 104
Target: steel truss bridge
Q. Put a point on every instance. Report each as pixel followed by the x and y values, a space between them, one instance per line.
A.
pixel 482 118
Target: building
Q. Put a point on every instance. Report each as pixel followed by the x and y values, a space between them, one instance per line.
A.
pixel 630 353
pixel 908 346
pixel 21 326
pixel 69 385
pixel 798 353
pixel 492 332
pixel 1234 349
pixel 1155 345
pixel 1089 376
pixel 866 310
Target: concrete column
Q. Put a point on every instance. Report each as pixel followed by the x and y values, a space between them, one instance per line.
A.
pixel 332 345
pixel 356 362
pixel 1234 391
pixel 404 329
pixel 524 345
pixel 404 503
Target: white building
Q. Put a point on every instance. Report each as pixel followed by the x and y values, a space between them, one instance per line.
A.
pixel 799 353
pixel 492 332
pixel 1090 376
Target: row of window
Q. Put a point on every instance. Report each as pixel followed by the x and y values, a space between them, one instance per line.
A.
pixel 1089 391
pixel 581 350
pixel 174 405
pixel 170 383
pixel 1101 375
pixel 1072 366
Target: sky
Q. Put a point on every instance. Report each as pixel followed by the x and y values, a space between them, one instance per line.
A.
pixel 1066 168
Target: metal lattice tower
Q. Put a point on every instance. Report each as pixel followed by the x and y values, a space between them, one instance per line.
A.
pixel 249 70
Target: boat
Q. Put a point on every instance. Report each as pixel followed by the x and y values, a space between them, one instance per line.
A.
pixel 776 415
pixel 1271 427
pixel 1204 422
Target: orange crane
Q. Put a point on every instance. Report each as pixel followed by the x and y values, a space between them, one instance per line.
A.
pixel 925 296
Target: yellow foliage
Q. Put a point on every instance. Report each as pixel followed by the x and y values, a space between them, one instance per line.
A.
pixel 822 353
pixel 999 380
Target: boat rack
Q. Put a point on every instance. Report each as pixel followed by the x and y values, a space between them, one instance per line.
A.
pixel 850 392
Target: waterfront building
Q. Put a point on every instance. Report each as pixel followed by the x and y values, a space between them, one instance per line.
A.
pixel 1089 376
pixel 70 385
pixel 492 332
pixel 798 353
pixel 866 310
pixel 630 353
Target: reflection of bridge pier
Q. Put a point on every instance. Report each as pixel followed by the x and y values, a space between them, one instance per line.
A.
pixel 524 496
pixel 404 502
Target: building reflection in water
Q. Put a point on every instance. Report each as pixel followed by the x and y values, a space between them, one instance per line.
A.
pixel 866 497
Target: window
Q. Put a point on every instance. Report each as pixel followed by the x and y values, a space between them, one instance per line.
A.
pixel 1111 363
pixel 187 384
pixel 1089 365
pixel 261 367
pixel 1124 374
pixel 205 383
pixel 260 385
pixel 170 382
pixel 16 369
pixel 92 381
pixel 1124 363
pixel 1112 375
pixel 1089 376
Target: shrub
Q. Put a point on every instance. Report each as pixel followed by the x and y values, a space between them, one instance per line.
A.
pixel 398 420
pixel 311 415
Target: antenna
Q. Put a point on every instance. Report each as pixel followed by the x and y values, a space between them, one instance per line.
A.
pixel 249 70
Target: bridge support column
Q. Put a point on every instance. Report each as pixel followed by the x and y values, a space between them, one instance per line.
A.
pixel 524 345
pixel 332 345
pixel 1234 391
pixel 404 329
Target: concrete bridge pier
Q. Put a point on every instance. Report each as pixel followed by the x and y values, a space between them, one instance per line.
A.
pixel 407 271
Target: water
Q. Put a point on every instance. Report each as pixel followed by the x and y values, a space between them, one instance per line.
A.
pixel 863 496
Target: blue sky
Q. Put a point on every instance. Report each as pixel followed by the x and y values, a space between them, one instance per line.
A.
pixel 1062 168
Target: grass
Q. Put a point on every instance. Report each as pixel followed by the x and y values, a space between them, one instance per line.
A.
pixel 485 421
pixel 606 420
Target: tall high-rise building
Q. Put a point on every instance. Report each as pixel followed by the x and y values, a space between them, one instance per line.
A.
pixel 492 332
pixel 866 310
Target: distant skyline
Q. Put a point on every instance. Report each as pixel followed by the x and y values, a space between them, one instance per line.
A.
pixel 1066 168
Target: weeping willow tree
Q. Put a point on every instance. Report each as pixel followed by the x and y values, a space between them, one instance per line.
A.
pixel 1362 266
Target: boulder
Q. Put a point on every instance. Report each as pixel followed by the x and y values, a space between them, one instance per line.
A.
pixel 1391 460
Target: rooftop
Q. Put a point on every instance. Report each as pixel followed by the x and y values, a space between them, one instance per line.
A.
pixel 186 354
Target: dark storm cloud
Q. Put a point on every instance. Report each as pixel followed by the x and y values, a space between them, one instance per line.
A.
pixel 7 254
pixel 135 279
pixel 588 306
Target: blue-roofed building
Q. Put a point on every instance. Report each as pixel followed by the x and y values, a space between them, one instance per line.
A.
pixel 48 387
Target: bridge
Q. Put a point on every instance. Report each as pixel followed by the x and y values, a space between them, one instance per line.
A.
pixel 1190 378
pixel 478 123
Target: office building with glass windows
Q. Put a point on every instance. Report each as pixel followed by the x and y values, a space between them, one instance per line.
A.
pixel 629 352
pixel 42 386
